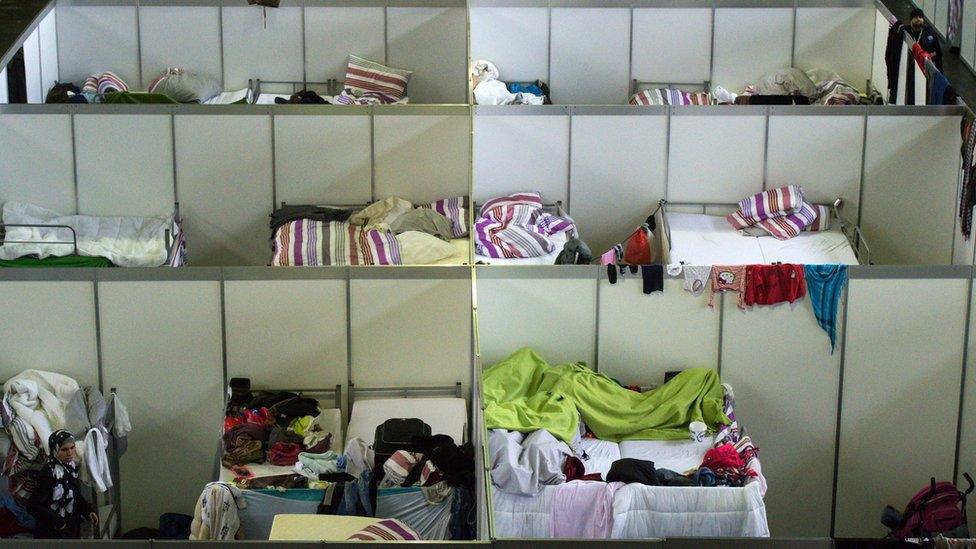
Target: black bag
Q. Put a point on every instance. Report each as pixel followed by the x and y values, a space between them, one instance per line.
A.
pixel 396 434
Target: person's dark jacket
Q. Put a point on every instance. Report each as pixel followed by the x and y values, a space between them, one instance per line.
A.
pixel 929 40
pixel 51 525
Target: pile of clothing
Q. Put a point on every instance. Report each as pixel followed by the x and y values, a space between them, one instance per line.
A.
pixel 489 90
pixel 36 403
pixel 389 232
pixel 174 85
pixel 516 226
pixel 280 428
pixel 794 86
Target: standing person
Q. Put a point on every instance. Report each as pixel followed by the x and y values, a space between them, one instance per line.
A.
pixel 57 502
pixel 925 35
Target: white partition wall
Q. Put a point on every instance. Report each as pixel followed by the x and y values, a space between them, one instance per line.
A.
pixel 741 54
pixel 95 39
pixel 671 45
pixel 561 321
pixel 432 42
pixel 127 170
pixel 967 419
pixel 332 33
pixel 225 203
pixel 597 39
pixel 262 43
pixel 837 39
pixel 323 159
pixel 47 31
pixel 637 148
pixel 288 334
pixel 411 331
pixel 536 148
pixel 912 177
pixel 32 68
pixel 37 160
pixel 161 347
pixel 786 389
pixel 180 36
pixel 897 344
pixel 515 39
pixel 49 325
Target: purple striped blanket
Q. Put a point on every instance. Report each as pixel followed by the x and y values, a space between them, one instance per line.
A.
pixel 515 226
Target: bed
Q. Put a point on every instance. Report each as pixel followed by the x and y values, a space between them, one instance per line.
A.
pixel 641 511
pixel 445 415
pixel 268 92
pixel 35 237
pixel 701 239
pixel 557 239
pixel 315 236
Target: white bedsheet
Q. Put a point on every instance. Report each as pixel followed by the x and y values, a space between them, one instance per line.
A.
pixel 641 511
pixel 676 455
pixel 558 239
pixel 229 97
pixel 125 241
pixel 601 454
pixel 698 239
pixel 448 416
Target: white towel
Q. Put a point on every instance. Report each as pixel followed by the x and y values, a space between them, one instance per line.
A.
pixel 97 459
pixel 485 70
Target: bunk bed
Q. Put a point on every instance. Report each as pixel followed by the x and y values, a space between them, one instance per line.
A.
pixel 32 236
pixel 703 239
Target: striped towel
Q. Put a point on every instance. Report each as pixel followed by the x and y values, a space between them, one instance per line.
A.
pixel 515 226
pixel 306 242
pixel 781 212
pixel 397 467
pixel 385 530
pixel 668 96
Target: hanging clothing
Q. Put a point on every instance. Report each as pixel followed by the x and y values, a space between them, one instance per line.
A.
pixel 215 517
pixel 771 284
pixel 653 276
pixel 967 198
pixel 697 278
pixel 728 278
pixel 825 283
pixel 927 40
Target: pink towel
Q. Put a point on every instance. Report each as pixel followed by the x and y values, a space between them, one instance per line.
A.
pixel 583 509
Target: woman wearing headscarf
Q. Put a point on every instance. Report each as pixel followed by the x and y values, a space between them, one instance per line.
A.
pixel 57 502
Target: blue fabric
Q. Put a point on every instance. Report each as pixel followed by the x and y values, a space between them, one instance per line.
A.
pixel 296 494
pixel 704 477
pixel 20 514
pixel 525 87
pixel 464 515
pixel 824 286
pixel 355 497
pixel 258 516
pixel 939 86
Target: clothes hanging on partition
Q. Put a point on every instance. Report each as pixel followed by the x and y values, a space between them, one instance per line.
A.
pixel 697 278
pixel 967 198
pixel 825 283
pixel 771 284
pixel 653 276
pixel 728 278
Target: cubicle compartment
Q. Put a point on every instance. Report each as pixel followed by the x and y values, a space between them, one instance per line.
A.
pixel 234 43
pixel 611 165
pixel 591 53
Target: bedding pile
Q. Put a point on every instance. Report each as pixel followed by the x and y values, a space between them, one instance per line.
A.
pixel 523 393
pixel 517 227
pixel 34 404
pixel 389 232
pixel 174 85
pixel 489 90
pixel 124 241
pixel 782 213
pixel 583 484
pixel 670 96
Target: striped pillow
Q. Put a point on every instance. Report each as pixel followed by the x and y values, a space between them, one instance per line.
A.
pixel 787 226
pixel 822 220
pixel 385 530
pixel 453 209
pixel 363 75
pixel 104 83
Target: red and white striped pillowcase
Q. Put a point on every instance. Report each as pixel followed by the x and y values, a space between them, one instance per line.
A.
pixel 363 75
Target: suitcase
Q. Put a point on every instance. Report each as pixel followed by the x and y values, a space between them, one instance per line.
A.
pixel 396 434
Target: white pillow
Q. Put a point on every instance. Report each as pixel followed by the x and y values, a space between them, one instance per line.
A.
pixel 417 248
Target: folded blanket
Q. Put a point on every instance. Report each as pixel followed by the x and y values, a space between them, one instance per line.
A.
pixel 515 226
pixel 125 241
pixel 781 212
pixel 523 393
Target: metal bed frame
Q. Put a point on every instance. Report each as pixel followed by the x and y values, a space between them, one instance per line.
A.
pixel 169 234
pixel 332 86
pixel 852 231
pixel 404 392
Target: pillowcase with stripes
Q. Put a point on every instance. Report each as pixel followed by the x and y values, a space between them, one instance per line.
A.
pixel 453 209
pixel 363 75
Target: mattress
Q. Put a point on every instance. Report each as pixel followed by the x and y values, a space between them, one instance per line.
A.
pixel 676 455
pixel 448 416
pixel 699 239
pixel 600 455
pixel 641 511
pixel 558 239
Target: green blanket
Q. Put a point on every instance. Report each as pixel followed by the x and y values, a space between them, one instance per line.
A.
pixel 56 261
pixel 523 393
pixel 137 98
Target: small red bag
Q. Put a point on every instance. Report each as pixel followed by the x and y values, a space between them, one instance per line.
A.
pixel 638 248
